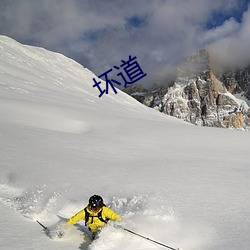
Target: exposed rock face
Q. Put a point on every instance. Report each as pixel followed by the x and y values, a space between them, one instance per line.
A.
pixel 237 81
pixel 199 97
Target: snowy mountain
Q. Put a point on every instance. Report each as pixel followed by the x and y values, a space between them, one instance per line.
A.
pixel 237 81
pixel 201 96
pixel 182 185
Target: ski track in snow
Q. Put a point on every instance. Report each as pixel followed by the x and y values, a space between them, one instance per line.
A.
pixel 43 117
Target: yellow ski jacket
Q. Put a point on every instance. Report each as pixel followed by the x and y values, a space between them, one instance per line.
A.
pixel 94 223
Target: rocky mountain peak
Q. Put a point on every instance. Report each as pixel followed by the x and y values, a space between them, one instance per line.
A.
pixel 200 96
pixel 196 64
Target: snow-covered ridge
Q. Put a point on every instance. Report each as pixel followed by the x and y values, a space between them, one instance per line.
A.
pixel 36 75
pixel 35 66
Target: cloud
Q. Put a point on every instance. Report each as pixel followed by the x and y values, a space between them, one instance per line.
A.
pixel 228 28
pixel 233 49
pixel 99 34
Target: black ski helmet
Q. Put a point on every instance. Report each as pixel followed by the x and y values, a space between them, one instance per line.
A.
pixel 96 202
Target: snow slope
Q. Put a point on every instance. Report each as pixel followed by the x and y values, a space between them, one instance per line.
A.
pixel 176 183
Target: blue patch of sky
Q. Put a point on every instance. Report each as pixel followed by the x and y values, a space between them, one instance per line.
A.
pixel 219 17
pixel 91 35
pixel 131 22
pixel 136 21
pixel 95 34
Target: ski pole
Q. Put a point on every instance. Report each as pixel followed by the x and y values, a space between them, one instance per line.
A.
pixel 45 228
pixel 146 238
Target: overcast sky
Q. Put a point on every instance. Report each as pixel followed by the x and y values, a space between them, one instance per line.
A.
pixel 160 33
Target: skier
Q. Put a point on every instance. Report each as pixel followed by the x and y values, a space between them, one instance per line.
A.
pixel 95 214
